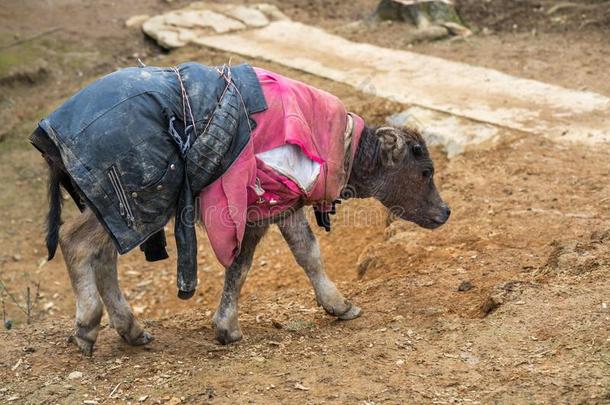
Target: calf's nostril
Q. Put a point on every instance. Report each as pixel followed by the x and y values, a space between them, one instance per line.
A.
pixel 448 211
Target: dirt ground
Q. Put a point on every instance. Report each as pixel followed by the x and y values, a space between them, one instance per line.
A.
pixel 530 234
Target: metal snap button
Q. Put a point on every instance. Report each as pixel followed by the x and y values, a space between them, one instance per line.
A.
pixel 172 167
pixel 160 187
pixel 134 194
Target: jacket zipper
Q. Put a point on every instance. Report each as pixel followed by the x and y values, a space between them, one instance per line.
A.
pixel 124 206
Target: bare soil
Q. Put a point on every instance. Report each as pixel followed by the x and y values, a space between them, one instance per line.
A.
pixel 529 234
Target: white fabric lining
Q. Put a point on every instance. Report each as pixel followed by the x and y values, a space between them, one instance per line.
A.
pixel 290 161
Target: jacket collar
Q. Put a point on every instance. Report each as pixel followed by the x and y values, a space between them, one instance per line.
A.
pixel 247 83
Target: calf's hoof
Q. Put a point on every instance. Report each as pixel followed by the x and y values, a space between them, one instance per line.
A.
pixel 141 339
pixel 352 313
pixel 226 336
pixel 84 345
pixel 226 327
pixel 342 309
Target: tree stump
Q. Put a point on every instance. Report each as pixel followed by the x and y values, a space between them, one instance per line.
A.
pixel 433 17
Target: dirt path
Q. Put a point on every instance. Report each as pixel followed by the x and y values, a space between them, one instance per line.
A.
pixel 529 232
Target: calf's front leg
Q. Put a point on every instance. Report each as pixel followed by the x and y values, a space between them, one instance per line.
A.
pixel 226 322
pixel 306 250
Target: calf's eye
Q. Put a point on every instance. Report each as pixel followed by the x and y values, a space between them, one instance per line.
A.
pixel 426 174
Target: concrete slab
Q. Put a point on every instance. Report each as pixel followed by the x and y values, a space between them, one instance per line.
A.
pixel 454 134
pixel 177 28
pixel 478 94
pixel 249 16
pixel 174 29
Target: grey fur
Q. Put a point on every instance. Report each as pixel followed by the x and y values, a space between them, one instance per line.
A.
pixel 91 260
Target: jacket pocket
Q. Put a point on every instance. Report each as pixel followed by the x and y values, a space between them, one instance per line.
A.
pixel 158 198
pixel 147 181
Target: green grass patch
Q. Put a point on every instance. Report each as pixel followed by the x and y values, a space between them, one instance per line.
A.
pixel 18 56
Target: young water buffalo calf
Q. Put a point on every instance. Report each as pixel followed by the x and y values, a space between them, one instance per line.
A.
pixel 393 166
pixel 127 186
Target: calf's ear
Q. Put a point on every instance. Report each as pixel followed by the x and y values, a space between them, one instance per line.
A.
pixel 392 145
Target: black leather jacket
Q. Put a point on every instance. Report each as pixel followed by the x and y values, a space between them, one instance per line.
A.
pixel 140 143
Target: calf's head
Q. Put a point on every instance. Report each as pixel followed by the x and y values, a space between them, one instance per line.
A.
pixel 394 166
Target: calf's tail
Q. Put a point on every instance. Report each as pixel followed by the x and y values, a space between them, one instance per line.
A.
pixel 54 216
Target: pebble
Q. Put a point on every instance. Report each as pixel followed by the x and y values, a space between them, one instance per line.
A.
pixel 137 21
pixel 16 366
pixel 400 362
pixel 75 375
pixel 301 387
pixel 465 286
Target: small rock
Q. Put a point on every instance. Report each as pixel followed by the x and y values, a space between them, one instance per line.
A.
pixel 75 375
pixel 174 401
pixel 17 258
pixel 431 33
pixel 143 398
pixel 16 366
pixel 465 285
pixel 457 29
pixel 502 293
pixel 8 324
pixel 301 387
pixel 492 303
pixel 139 309
pixel 469 358
pixel 400 362
pixel 136 20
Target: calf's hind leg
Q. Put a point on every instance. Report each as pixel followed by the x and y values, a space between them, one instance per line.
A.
pixel 306 250
pixel 92 261
pixel 79 254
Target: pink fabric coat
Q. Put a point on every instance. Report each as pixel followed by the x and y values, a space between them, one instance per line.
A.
pixel 250 190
